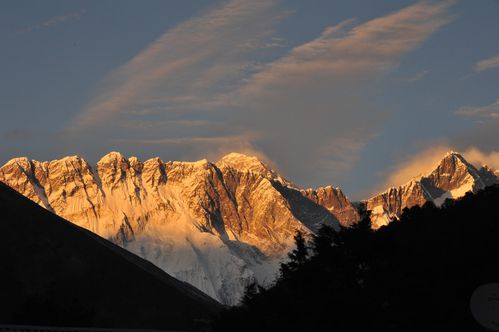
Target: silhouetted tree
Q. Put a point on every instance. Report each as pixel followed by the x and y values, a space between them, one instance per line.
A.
pixel 298 256
pixel 415 274
pixel 250 292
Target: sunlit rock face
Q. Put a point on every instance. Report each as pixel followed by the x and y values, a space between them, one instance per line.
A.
pixel 453 177
pixel 335 201
pixel 217 226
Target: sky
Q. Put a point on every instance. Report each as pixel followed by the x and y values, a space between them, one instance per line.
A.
pixel 358 94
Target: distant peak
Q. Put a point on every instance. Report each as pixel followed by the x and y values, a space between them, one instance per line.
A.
pixel 112 156
pixel 68 159
pixel 243 162
pixel 452 152
pixel 456 156
pixel 18 160
pixel 133 160
pixel 487 168
pixel 197 163
pixel 238 156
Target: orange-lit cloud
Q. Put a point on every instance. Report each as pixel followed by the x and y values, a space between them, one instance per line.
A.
pixel 488 111
pixel 487 64
pixel 480 158
pixel 307 105
pixel 348 50
pixel 188 62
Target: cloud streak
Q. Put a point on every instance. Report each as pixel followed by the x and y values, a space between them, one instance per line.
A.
pixel 316 88
pixel 189 65
pixel 419 76
pixel 219 78
pixel 54 21
pixel 487 64
pixel 481 112
pixel 373 47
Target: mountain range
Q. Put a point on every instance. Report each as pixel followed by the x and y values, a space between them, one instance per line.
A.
pixel 218 226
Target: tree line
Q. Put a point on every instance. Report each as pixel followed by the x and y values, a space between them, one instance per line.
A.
pixel 416 274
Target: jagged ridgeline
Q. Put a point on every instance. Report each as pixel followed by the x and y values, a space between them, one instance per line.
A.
pixel 419 273
pixel 451 178
pixel 219 226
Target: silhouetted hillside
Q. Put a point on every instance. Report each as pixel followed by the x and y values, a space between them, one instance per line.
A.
pixel 416 274
pixel 55 273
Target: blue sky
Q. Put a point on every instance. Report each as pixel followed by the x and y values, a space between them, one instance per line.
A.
pixel 358 94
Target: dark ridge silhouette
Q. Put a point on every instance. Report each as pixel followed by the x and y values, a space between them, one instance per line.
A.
pixel 55 273
pixel 416 274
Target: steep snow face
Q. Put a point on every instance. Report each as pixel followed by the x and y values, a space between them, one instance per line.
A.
pixel 453 177
pixel 217 226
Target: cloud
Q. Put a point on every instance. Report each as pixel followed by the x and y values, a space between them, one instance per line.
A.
pixel 227 82
pixel 480 158
pixel 373 47
pixel 485 112
pixel 311 103
pixel 189 66
pixel 418 76
pixel 54 21
pixel 487 64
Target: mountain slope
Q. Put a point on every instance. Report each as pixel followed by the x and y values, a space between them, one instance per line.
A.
pixel 419 273
pixel 453 177
pixel 217 226
pixel 55 273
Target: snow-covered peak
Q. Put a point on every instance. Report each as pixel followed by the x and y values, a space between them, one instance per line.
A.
pixel 455 156
pixel 19 161
pixel 133 160
pixel 71 158
pixel 243 163
pixel 451 178
pixel 68 160
pixel 453 153
pixel 194 164
pixel 111 158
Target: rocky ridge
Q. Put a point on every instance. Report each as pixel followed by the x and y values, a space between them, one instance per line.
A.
pixel 217 226
pixel 453 177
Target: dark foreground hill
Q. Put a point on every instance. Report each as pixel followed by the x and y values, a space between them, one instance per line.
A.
pixel 416 274
pixel 57 274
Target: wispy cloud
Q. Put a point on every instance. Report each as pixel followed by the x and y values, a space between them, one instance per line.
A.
pixel 487 64
pixel 317 88
pixel 213 68
pixel 370 48
pixel 419 76
pixel 189 65
pixel 480 158
pixel 481 112
pixel 54 21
